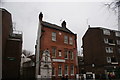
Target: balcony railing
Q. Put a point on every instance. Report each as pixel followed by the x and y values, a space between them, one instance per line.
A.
pixel 16 34
pixel 114 62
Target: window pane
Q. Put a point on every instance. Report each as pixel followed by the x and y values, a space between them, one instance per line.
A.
pixel 106 32
pixel 109 50
pixel 59 70
pixel 53 52
pixel 66 54
pixel 119 50
pixel 53 71
pixel 118 42
pixel 117 34
pixel 113 59
pixel 53 36
pixel 105 40
pixel 59 53
pixel 66 69
pixel 71 55
pixel 66 39
pixel 72 69
pixel 109 59
pixel 111 41
pixel 71 40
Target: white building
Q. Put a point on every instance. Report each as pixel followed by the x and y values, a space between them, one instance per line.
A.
pixel 45 67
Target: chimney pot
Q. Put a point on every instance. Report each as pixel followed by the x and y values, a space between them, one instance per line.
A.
pixel 63 24
pixel 40 16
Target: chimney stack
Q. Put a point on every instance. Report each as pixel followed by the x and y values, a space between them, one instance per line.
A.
pixel 63 24
pixel 40 16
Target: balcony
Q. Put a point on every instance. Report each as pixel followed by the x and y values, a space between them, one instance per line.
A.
pixel 114 62
pixel 16 34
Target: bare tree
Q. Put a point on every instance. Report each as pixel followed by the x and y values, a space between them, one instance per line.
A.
pixel 27 52
pixel 113 5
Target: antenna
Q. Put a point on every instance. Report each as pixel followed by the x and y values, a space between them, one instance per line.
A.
pixel 14 25
pixel 87 20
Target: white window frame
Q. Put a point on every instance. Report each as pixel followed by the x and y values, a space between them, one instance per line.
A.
pixel 60 67
pixel 105 40
pixel 60 53
pixel 66 39
pixel 71 55
pixel 117 34
pixel 66 53
pixel 66 70
pixel 106 32
pixel 70 40
pixel 118 42
pixel 54 53
pixel 53 36
pixel 108 59
pixel 109 50
pixel 72 67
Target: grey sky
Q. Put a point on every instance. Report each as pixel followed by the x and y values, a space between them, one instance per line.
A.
pixel 25 14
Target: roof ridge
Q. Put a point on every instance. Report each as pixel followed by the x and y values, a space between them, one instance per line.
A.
pixel 54 26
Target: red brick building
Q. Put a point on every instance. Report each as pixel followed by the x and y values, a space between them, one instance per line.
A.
pixel 62 45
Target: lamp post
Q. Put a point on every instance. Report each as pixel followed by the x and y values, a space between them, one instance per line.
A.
pixel 93 66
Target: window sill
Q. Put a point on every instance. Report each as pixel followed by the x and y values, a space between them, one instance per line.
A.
pixel 114 62
pixel 53 57
pixel 53 75
pixel 60 75
pixel 72 74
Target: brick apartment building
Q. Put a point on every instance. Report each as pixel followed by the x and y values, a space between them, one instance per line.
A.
pixel 11 48
pixel 101 50
pixel 62 45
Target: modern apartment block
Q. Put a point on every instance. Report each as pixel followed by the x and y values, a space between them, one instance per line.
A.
pixel 101 50
pixel 11 48
pixel 61 44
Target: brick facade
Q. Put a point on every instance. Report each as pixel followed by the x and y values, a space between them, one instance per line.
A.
pixel 46 43
pixel 98 45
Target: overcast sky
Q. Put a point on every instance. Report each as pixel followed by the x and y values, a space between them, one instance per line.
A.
pixel 77 15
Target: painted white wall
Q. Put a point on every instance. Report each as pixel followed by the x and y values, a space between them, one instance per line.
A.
pixel 37 50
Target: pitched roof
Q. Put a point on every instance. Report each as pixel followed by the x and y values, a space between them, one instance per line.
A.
pixel 54 26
